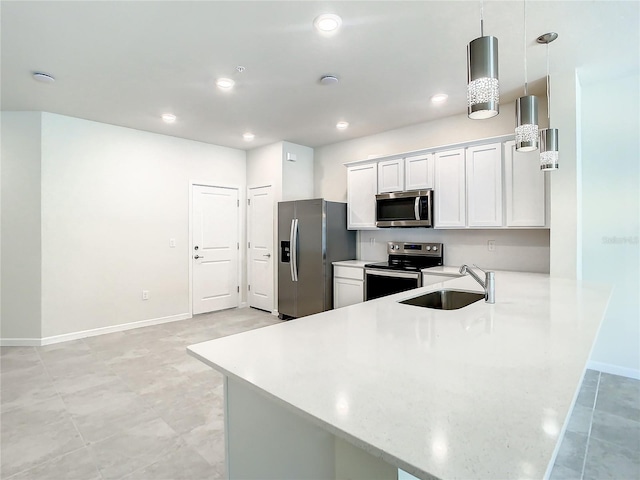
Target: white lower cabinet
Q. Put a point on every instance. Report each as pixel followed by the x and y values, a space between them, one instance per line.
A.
pixel 348 285
pixel 362 186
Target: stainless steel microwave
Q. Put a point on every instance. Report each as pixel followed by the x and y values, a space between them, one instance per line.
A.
pixel 405 209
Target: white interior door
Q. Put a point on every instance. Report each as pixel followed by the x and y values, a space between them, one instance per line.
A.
pixel 261 254
pixel 214 248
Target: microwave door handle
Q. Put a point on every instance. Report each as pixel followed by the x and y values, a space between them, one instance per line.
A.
pixel 416 208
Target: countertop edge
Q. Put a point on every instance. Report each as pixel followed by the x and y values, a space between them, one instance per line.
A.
pixel 355 441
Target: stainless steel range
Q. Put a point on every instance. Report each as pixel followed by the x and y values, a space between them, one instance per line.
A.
pixel 403 270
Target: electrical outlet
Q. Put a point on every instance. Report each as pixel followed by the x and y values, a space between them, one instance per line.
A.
pixel 145 294
pixel 491 245
pixel 172 242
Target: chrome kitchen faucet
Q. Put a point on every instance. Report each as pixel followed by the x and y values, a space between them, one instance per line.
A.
pixel 489 283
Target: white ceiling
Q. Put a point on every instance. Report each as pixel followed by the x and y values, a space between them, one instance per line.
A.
pixel 126 63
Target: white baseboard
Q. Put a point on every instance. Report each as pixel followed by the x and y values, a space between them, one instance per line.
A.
pixel 37 342
pixel 19 342
pixel 614 369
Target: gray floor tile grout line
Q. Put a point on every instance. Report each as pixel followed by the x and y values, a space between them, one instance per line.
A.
pixel 84 442
pixel 593 407
pixel 13 475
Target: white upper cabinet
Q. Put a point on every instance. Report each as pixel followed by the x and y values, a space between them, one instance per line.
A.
pixel 524 188
pixel 476 185
pixel 484 185
pixel 391 176
pixel 362 186
pixel 418 172
pixel 449 189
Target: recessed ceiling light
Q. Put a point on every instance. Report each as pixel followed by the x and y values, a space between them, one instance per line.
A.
pixel 248 136
pixel 439 98
pixel 169 117
pixel 327 22
pixel 43 77
pixel 342 125
pixel 225 83
pixel 328 80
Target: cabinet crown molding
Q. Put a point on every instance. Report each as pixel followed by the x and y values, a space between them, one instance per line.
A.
pixel 423 151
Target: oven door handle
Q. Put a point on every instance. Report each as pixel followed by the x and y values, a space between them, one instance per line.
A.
pixel 393 273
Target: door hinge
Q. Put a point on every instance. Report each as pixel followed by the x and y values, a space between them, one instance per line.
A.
pixel 249 201
pixel 238 245
pixel 238 201
pixel 248 244
pixel 238 288
pixel 249 287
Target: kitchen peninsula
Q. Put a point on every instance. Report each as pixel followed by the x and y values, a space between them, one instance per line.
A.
pixel 482 392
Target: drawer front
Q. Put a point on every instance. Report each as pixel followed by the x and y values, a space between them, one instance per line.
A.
pixel 355 273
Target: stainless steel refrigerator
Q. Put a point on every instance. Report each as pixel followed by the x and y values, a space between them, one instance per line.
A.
pixel 311 235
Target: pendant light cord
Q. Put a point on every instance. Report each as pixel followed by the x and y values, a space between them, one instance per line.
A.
pixel 548 90
pixel 482 18
pixel 525 45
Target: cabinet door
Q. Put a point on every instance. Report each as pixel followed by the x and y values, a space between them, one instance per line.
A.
pixel 347 291
pixel 391 176
pixel 418 172
pixel 524 188
pixel 362 185
pixel 484 185
pixel 449 192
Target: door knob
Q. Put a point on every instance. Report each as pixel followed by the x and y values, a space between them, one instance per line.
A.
pixel 268 255
pixel 198 256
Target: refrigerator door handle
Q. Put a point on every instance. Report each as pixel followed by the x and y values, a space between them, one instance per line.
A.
pixel 293 242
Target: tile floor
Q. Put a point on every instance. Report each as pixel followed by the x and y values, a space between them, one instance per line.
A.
pixel 602 440
pixel 132 405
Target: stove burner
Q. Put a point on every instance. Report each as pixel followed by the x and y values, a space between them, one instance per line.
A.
pixel 411 256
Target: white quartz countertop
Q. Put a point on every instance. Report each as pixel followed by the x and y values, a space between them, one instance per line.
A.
pixel 445 271
pixel 476 393
pixel 353 263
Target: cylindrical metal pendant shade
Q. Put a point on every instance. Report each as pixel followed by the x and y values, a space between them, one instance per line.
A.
pixel 549 149
pixel 527 123
pixel 483 90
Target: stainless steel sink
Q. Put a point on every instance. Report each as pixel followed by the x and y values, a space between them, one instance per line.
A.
pixel 445 299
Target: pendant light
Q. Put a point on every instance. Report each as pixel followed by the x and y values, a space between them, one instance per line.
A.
pixel 483 89
pixel 526 109
pixel 548 136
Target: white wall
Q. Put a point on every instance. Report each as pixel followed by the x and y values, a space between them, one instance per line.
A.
pixel 21 256
pixel 521 250
pixel 290 180
pixel 330 175
pixel 112 198
pixel 264 167
pixel 518 250
pixel 566 216
pixel 297 177
pixel 611 213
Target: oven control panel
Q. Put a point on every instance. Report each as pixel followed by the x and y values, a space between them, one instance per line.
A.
pixel 405 248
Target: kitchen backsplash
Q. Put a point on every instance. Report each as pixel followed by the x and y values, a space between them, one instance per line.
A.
pixel 515 250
